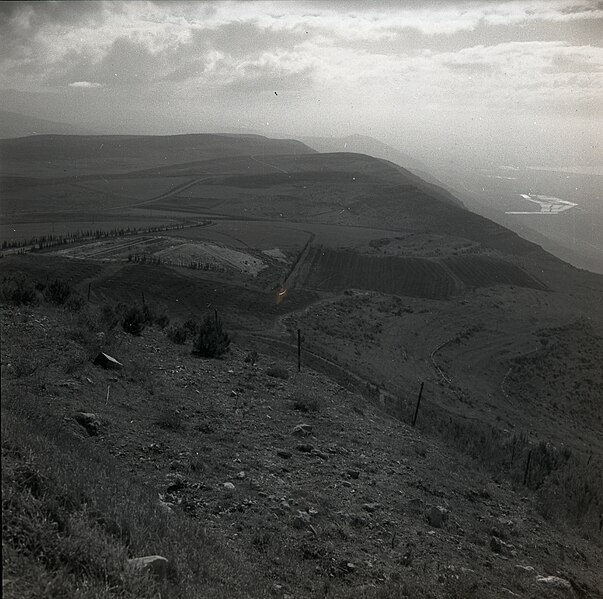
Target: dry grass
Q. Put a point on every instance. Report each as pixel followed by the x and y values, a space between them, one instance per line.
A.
pixel 71 519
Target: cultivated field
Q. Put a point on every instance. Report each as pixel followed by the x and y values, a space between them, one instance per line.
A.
pixel 338 270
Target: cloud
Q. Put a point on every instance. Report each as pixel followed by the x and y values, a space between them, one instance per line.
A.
pixel 85 84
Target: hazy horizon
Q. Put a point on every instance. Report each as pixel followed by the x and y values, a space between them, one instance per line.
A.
pixel 471 83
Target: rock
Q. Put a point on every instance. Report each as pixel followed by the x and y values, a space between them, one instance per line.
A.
pixel 525 568
pixel 283 453
pixel 354 473
pixel 229 486
pixel 414 505
pixel 321 454
pixel 165 507
pixel 107 361
pixel 301 430
pixel 346 483
pixel 305 448
pixel 554 581
pixel 241 474
pixel 496 545
pixel 177 482
pixel 155 564
pixel 371 507
pixel 301 520
pixel 90 422
pixel 437 516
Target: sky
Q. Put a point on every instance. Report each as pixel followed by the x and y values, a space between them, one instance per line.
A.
pixel 515 82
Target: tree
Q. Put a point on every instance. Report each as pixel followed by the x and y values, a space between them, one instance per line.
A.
pixel 212 341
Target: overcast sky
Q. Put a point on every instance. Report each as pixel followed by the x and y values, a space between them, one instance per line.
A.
pixel 518 81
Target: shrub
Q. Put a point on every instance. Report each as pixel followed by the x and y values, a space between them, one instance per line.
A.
pixel 305 403
pixel 169 419
pixel 192 327
pixel 153 316
pixel 211 341
pixel 133 320
pixel 57 292
pixel 177 334
pixel 18 290
pixel 278 372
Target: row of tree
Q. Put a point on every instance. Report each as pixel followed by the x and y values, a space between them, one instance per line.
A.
pixel 51 240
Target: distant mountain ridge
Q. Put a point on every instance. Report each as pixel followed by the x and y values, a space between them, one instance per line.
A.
pixel 364 144
pixel 69 155
pixel 15 124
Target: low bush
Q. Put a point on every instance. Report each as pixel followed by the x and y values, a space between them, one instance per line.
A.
pixel 211 341
pixel 57 292
pixel 303 402
pixel 133 320
pixel 278 372
pixel 177 334
pixel 18 291
pixel 169 419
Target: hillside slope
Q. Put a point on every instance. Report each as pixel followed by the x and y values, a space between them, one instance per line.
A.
pixel 350 503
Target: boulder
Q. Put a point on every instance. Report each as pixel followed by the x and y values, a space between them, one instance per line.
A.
pixel 283 453
pixel 89 421
pixel 229 486
pixel 301 430
pixel 305 448
pixel 554 581
pixel 107 361
pixel 155 564
pixel 437 516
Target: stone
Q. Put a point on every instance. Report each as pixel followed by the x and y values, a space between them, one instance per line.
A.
pixel 165 507
pixel 283 453
pixel 437 516
pixel 371 507
pixel 305 448
pixel 107 361
pixel 90 422
pixel 414 505
pixel 301 430
pixel 155 564
pixel 241 474
pixel 321 454
pixel 554 581
pixel 301 520
pixel 354 474
pixel 229 486
pixel 177 482
pixel 496 545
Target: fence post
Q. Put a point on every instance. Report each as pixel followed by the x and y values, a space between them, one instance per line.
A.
pixel 298 350
pixel 142 294
pixel 414 420
pixel 527 470
pixel 216 314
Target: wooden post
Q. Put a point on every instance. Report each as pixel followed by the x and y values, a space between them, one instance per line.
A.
pixel 513 450
pixel 527 470
pixel 298 350
pixel 414 420
pixel 142 294
pixel 216 314
pixel 89 287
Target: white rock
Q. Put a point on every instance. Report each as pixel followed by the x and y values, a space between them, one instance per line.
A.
pixel 155 564
pixel 229 486
pixel 554 581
